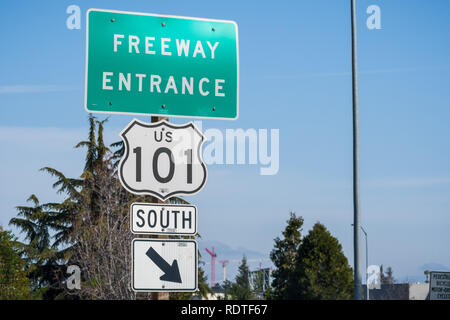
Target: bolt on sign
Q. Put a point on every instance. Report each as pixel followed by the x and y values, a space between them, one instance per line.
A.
pixel 139 63
pixel 162 159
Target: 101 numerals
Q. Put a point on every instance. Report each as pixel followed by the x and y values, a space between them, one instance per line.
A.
pixel 155 162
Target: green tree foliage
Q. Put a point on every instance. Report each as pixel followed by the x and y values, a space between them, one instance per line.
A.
pixel 14 283
pixel 240 289
pixel 203 287
pixel 47 259
pixel 388 276
pixel 284 257
pixel 426 273
pixel 310 268
pixel 258 283
pixel 227 286
pixel 322 270
pixel 89 228
pixel 40 255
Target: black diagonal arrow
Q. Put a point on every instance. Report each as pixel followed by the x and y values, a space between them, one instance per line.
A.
pixel 171 272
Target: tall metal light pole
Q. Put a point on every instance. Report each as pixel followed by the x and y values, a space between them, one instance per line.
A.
pixel 356 202
pixel 367 264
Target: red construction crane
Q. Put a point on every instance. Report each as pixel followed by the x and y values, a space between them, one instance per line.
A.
pixel 213 266
pixel 224 266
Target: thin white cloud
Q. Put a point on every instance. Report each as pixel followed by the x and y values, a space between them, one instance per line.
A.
pixel 47 135
pixel 45 138
pixel 408 182
pixel 12 89
pixel 361 72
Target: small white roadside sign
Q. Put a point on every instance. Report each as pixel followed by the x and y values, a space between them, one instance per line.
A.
pixel 152 218
pixel 439 285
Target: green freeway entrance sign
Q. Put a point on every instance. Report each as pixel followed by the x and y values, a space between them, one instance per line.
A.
pixel 140 63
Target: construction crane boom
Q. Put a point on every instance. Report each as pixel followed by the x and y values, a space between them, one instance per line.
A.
pixel 213 265
pixel 224 266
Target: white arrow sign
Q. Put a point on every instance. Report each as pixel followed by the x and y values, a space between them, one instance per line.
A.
pixel 162 159
pixel 164 265
pixel 152 218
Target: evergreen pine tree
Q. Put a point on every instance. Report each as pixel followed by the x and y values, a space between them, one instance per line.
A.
pixel 41 258
pixel 14 283
pixel 89 228
pixel 284 257
pixel 240 290
pixel 388 276
pixel 227 286
pixel 322 269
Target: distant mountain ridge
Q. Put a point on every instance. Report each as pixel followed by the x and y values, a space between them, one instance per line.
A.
pixel 420 276
pixel 224 251
pixel 257 259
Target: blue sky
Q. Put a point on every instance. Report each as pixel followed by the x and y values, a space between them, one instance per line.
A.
pixel 295 64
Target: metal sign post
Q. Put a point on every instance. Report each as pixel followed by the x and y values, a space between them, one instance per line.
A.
pixel 159 295
pixel 356 202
